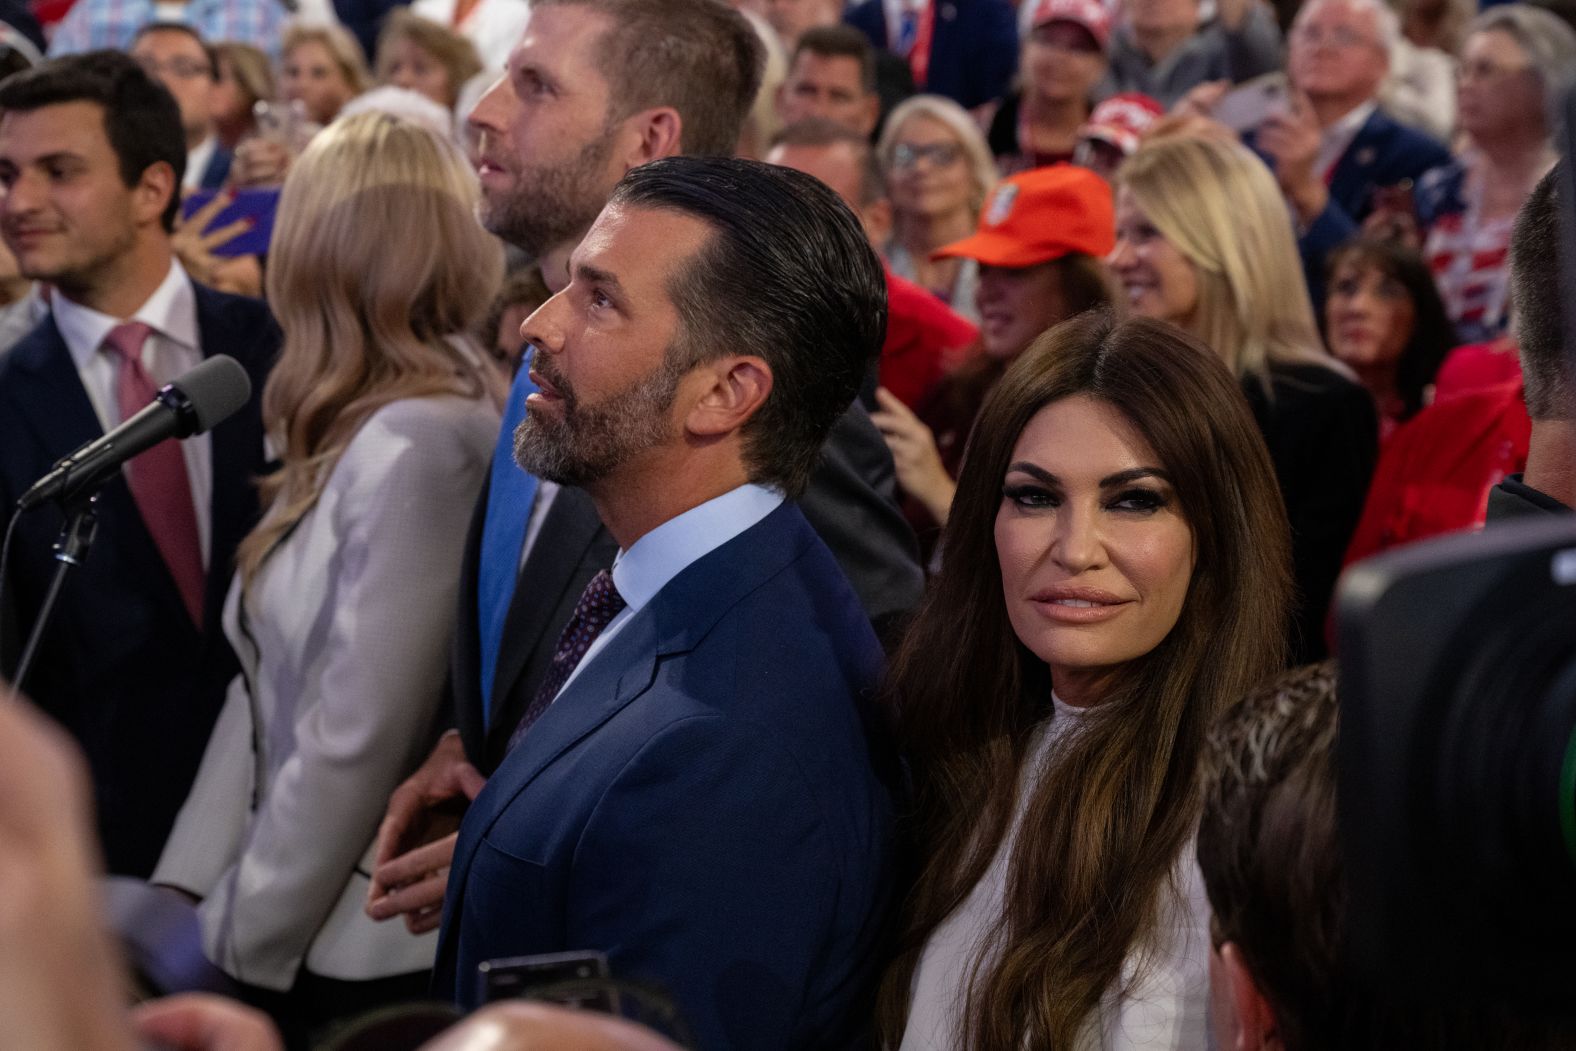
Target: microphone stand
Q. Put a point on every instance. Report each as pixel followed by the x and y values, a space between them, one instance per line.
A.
pixel 71 547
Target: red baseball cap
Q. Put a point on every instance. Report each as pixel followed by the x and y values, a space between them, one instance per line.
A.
pixel 1122 120
pixel 1040 215
pixel 1091 14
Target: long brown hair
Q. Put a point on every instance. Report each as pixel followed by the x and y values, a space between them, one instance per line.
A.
pixel 366 324
pixel 1106 824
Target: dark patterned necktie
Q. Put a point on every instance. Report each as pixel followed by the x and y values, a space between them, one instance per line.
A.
pixel 599 603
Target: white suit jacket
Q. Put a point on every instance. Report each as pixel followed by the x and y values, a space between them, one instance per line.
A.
pixel 343 648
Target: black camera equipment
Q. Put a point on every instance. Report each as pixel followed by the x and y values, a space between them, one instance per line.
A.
pixel 1458 748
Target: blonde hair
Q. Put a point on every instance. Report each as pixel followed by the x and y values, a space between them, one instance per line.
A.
pixel 454 53
pixel 344 48
pixel 1218 205
pixel 365 326
pixel 976 151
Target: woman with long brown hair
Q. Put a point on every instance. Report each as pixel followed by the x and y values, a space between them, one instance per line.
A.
pixel 384 414
pixel 1116 572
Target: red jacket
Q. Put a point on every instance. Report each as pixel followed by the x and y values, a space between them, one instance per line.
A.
pixel 924 341
pixel 1434 475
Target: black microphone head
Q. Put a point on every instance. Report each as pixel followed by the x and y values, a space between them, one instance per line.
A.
pixel 215 390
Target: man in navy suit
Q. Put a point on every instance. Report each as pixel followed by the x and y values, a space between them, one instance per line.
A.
pixel 175 55
pixel 1333 147
pixel 134 664
pixel 966 50
pixel 693 792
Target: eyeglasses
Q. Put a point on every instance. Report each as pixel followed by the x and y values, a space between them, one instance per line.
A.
pixel 185 68
pixel 939 154
pixel 1339 37
pixel 1486 71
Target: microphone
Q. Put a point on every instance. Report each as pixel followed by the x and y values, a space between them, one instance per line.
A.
pixel 193 404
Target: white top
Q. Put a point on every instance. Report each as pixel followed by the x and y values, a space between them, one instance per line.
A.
pixel 343 647
pixel 1165 1010
pixel 672 547
pixel 174 347
pixel 197 159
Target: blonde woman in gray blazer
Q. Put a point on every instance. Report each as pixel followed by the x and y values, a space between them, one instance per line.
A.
pixel 343 601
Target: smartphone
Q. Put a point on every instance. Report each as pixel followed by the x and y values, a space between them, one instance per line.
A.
pixel 575 979
pixel 1247 105
pixel 257 205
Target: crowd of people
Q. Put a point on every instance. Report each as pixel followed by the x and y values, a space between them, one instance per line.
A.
pixel 822 516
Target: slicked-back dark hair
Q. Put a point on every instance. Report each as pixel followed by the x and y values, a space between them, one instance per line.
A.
pixel 698 56
pixel 1536 267
pixel 840 41
pixel 141 120
pixel 789 276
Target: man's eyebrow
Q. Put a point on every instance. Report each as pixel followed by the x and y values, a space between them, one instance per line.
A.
pixel 596 275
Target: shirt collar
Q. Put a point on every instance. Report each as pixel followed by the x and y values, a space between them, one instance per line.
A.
pixel 171 311
pixel 1345 130
pixel 665 552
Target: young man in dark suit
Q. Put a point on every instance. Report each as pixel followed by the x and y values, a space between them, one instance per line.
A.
pixel 134 664
pixel 692 792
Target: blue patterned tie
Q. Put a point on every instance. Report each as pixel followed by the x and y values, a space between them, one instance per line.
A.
pixel 599 603
pixel 510 494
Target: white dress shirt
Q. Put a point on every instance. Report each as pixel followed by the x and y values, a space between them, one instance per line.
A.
pixel 672 547
pixel 1337 138
pixel 174 347
pixel 197 159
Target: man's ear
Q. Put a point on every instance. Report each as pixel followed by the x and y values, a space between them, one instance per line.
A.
pixel 733 389
pixel 876 218
pixel 658 133
pixel 871 115
pixel 1256 1028
pixel 153 192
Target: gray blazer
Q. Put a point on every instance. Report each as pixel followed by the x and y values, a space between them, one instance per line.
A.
pixel 343 642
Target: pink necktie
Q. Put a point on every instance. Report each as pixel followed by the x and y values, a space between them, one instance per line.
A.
pixel 158 477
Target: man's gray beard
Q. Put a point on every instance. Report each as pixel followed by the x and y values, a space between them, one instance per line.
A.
pixel 589 441
pixel 550 206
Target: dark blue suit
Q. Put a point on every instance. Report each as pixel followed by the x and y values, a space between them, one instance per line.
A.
pixel 700 804
pixel 123 667
pixel 973 50
pixel 1383 153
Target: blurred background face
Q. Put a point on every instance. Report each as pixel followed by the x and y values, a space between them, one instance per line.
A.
pixel 1095 553
pixel 414 68
pixel 1062 61
pixel 1336 51
pixel 310 74
pixel 1369 315
pixel 1016 304
pixel 828 86
pixel 1497 88
pixel 1157 280
pixel 929 174
pixel 181 64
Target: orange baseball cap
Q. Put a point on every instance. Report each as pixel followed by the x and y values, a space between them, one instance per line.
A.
pixel 1040 215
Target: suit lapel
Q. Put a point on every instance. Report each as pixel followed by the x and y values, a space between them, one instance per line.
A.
pixel 1353 171
pixel 59 409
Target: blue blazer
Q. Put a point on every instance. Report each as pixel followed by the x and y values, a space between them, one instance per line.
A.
pixel 700 803
pixel 973 52
pixel 1383 153
pixel 123 666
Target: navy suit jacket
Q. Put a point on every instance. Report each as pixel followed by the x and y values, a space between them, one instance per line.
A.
pixel 973 49
pixel 1383 153
pixel 849 501
pixel 700 804
pixel 123 667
